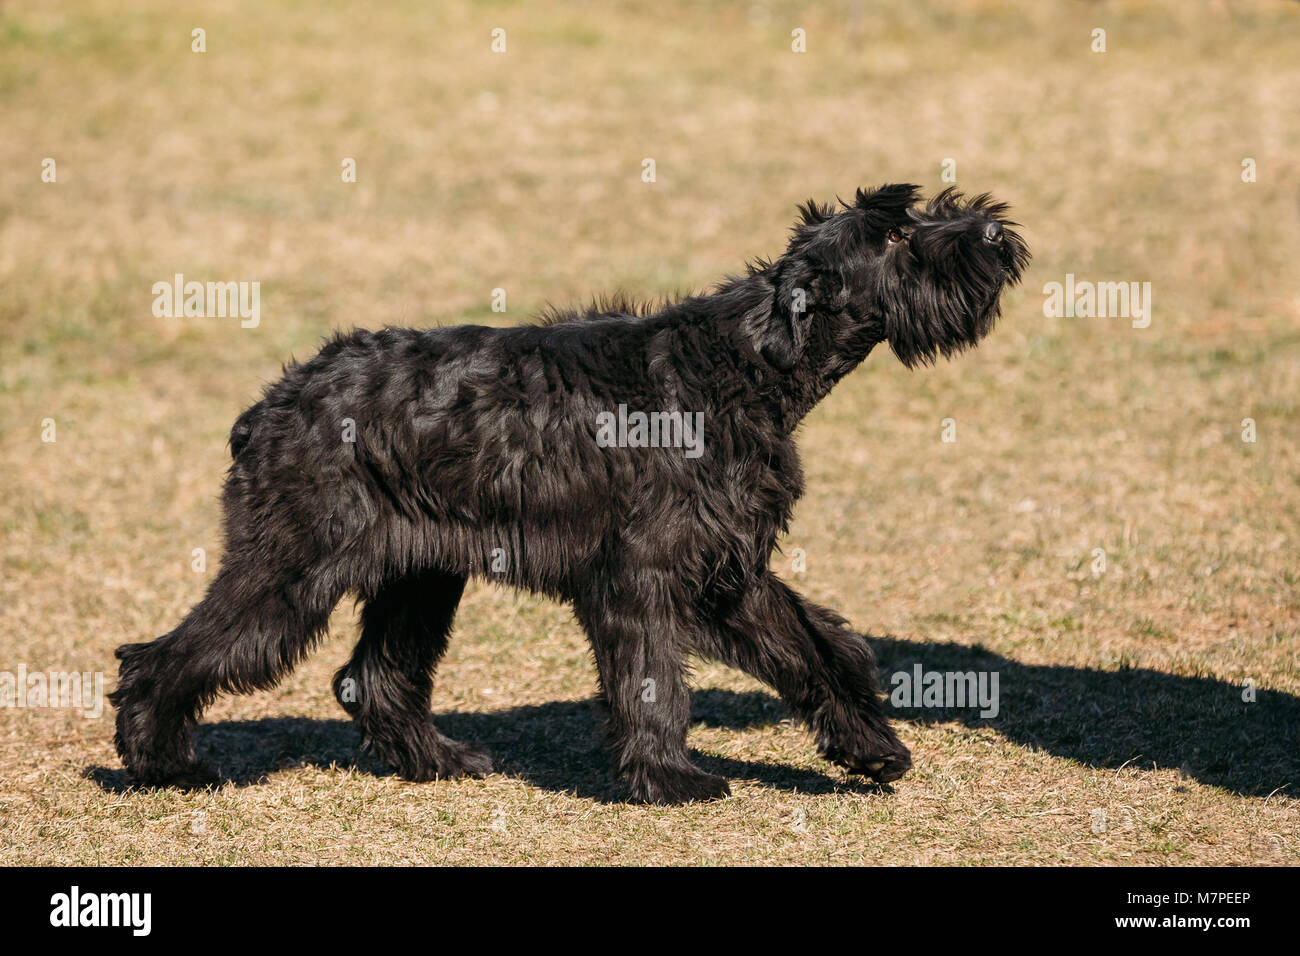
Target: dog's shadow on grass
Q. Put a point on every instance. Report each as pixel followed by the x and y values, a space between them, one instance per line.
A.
pixel 555 746
pixel 1141 718
pixel 1103 719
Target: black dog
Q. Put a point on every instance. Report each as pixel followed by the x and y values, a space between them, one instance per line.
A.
pixel 398 463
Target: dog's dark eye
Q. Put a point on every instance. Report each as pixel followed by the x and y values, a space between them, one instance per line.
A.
pixel 894 235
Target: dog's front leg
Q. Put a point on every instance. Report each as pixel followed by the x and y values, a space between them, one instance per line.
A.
pixel 824 671
pixel 640 645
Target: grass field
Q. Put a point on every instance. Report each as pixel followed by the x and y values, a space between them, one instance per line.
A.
pixel 1122 735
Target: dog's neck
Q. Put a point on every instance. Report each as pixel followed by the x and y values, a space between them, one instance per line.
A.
pixel 838 341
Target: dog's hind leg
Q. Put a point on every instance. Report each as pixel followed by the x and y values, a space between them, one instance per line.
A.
pixel 387 684
pixel 825 672
pixel 255 623
pixel 640 655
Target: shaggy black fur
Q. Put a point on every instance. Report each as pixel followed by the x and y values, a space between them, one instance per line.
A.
pixel 475 453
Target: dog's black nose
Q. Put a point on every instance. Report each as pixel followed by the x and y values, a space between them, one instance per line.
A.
pixel 993 232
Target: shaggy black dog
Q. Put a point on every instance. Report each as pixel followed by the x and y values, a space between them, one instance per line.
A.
pixel 638 464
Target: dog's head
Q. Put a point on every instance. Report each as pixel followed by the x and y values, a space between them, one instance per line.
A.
pixel 926 278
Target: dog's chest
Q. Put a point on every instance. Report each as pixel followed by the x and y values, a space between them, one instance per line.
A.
pixel 728 507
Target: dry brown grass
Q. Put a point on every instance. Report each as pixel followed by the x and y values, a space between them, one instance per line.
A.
pixel 1120 692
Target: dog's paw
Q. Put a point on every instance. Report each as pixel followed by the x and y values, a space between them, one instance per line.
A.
pixel 673 785
pixel 194 775
pixel 464 760
pixel 449 760
pixel 882 768
pixel 888 768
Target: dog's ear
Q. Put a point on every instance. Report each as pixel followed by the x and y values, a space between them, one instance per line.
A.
pixel 780 328
pixel 825 236
pixel 781 331
pixel 885 207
